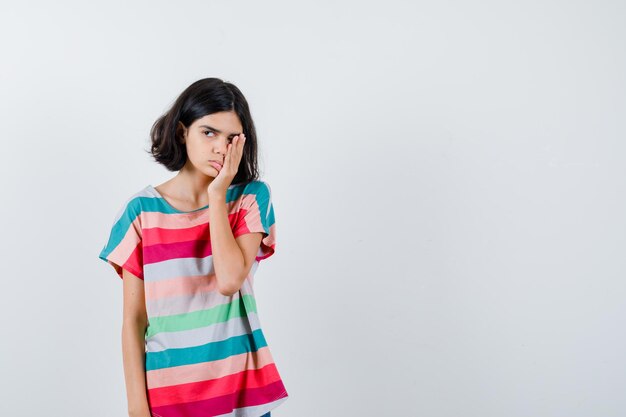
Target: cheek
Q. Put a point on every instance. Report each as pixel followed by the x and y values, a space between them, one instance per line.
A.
pixel 197 147
pixel 195 155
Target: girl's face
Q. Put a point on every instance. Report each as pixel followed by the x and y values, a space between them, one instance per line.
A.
pixel 207 140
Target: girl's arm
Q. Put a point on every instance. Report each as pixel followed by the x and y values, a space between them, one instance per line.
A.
pixel 232 258
pixel 134 325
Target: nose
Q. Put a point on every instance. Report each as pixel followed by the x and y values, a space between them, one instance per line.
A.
pixel 221 145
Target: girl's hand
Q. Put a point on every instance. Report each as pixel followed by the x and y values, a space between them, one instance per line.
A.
pixel 222 181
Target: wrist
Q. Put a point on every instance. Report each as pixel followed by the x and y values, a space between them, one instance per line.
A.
pixel 139 410
pixel 217 197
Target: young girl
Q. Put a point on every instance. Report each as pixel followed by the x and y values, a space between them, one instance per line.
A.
pixel 187 251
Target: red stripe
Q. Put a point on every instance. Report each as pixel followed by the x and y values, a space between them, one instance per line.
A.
pixel 168 244
pixel 135 262
pixel 215 388
pixel 225 404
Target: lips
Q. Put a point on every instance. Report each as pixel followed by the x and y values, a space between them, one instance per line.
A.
pixel 217 165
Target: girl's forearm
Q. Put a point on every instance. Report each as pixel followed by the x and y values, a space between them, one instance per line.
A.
pixel 228 260
pixel 133 350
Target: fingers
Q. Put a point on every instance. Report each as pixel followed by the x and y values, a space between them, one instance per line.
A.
pixel 241 140
pixel 234 151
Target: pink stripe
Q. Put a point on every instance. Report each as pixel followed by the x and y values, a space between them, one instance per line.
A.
pixel 252 221
pixel 156 219
pixel 129 241
pixel 183 285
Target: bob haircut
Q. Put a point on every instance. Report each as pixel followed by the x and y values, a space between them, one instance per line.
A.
pixel 203 97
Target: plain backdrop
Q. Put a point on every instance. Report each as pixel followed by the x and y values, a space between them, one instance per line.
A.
pixel 448 181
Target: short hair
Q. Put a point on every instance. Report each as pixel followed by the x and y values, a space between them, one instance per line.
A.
pixel 203 97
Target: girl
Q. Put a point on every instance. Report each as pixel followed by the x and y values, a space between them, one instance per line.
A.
pixel 187 251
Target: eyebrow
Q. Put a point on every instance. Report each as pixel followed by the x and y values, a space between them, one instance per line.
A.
pixel 218 131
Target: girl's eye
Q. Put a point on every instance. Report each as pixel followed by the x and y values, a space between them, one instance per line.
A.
pixel 208 131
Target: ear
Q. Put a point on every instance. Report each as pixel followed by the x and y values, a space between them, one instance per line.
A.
pixel 181 132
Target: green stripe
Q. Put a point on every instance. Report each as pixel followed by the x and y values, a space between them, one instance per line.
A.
pixel 202 318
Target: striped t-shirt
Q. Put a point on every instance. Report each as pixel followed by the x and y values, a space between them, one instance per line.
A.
pixel 205 352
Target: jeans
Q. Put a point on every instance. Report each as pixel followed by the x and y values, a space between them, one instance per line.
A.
pixel 266 414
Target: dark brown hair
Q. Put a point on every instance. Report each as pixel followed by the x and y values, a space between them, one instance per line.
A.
pixel 203 97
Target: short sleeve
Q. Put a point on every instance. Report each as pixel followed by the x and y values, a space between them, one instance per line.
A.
pixel 124 248
pixel 256 214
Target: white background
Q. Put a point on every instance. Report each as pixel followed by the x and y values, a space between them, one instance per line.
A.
pixel 448 181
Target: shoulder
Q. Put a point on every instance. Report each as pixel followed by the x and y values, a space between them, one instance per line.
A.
pixel 257 188
pixel 132 205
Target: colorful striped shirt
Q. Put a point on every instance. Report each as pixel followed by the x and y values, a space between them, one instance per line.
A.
pixel 206 354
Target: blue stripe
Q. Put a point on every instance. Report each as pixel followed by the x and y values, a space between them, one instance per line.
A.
pixel 208 352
